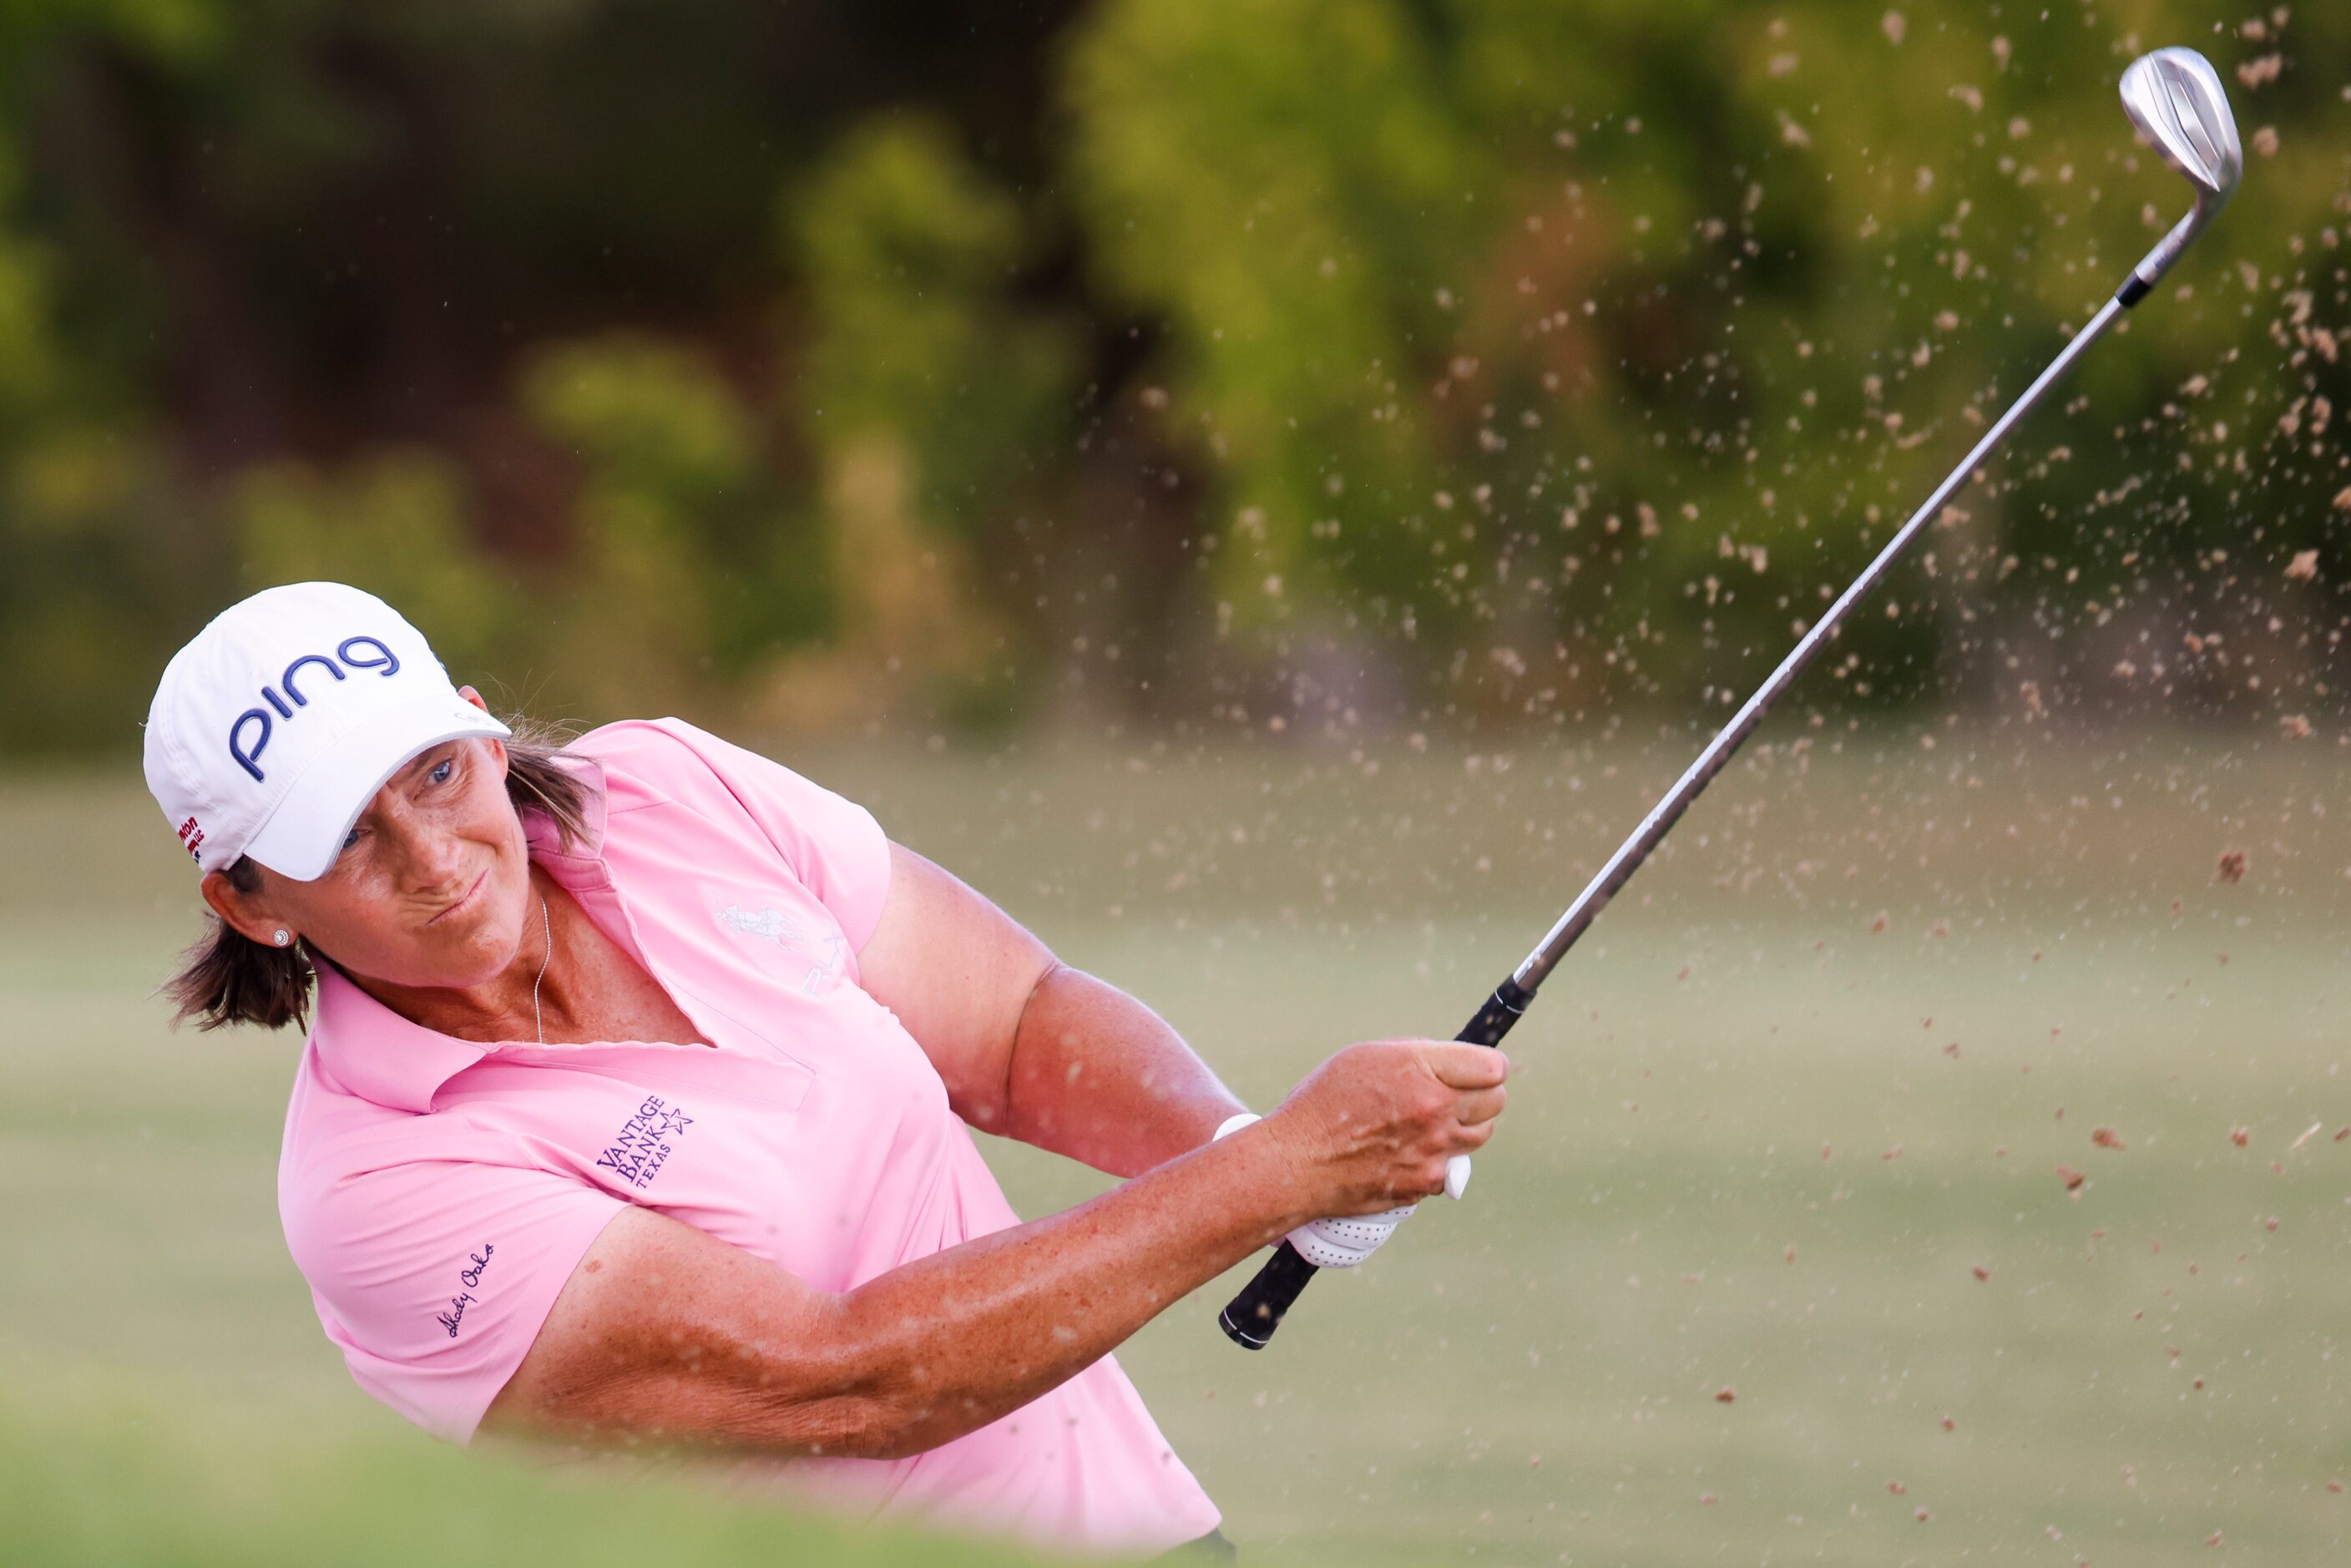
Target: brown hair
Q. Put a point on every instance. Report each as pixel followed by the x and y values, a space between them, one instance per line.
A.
pixel 225 977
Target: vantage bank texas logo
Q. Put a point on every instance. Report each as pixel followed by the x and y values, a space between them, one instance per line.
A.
pixel 644 1143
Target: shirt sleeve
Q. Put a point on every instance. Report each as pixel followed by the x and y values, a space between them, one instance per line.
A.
pixel 831 844
pixel 434 1277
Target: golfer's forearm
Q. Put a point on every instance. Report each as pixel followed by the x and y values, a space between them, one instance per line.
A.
pixel 1101 1078
pixel 950 1343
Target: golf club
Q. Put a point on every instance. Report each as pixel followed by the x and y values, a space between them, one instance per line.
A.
pixel 2175 101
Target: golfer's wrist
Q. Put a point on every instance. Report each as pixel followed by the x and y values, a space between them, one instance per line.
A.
pixel 1277 1197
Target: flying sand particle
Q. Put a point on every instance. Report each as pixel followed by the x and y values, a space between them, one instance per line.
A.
pixel 2240 1136
pixel 2307 1133
pixel 1725 1395
pixel 2303 567
pixel 2107 1138
pixel 2071 1178
pixel 2231 868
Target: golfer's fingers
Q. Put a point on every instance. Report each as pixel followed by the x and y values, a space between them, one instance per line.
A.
pixel 1461 1139
pixel 1461 1066
pixel 1476 1107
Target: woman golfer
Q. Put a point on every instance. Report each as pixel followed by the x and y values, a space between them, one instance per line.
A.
pixel 634 1100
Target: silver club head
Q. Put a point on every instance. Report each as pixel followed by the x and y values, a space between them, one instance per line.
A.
pixel 2176 103
pixel 2174 98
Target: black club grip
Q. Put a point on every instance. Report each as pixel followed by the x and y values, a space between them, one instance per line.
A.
pixel 1249 1318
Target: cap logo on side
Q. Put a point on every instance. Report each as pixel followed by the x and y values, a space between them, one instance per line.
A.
pixel 386 662
pixel 192 837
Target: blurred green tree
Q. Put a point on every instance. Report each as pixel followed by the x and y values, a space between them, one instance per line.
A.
pixel 1473 358
pixel 692 564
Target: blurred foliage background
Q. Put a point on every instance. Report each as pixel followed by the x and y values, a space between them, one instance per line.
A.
pixel 1449 363
pixel 1165 396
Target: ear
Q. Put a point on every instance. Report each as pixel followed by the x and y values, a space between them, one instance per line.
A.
pixel 497 747
pixel 252 915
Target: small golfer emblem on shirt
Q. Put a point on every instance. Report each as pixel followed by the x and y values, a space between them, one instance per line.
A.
pixel 644 1142
pixel 766 922
pixel 823 950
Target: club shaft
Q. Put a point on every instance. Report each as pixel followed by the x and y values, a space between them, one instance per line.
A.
pixel 1251 1317
pixel 1718 751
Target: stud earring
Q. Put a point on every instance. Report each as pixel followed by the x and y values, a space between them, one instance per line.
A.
pixel 283 938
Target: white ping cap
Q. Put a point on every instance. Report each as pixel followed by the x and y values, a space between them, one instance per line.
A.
pixel 274 726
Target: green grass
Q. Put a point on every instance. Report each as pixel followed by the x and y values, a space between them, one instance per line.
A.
pixel 115 1476
pixel 1715 1078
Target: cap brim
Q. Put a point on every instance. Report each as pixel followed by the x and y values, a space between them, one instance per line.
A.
pixel 304 833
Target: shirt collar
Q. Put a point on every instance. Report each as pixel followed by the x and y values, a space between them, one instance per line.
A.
pixel 382 1057
pixel 379 1055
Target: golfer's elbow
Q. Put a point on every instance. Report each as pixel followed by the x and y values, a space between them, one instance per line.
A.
pixel 845 1426
pixel 868 1393
pixel 886 1420
pixel 890 1430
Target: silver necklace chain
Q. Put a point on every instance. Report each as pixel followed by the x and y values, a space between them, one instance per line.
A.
pixel 547 931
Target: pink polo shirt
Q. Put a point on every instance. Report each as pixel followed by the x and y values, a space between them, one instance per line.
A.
pixel 437 1193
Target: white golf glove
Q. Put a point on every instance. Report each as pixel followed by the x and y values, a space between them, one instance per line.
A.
pixel 1344 1243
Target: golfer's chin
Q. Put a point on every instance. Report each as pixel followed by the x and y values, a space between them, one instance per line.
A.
pixel 476 941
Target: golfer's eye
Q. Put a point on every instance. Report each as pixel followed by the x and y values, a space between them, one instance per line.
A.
pixel 443 770
pixel 351 838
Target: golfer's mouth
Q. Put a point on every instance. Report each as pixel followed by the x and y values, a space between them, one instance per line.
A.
pixel 465 899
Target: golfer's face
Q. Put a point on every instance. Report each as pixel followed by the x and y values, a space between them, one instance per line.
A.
pixel 432 884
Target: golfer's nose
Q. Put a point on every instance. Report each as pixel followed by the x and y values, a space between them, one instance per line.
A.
pixel 430 855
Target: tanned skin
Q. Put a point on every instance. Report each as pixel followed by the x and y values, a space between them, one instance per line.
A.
pixel 665 1333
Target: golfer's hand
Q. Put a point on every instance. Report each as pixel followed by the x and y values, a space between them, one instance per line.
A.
pixel 1373 1127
